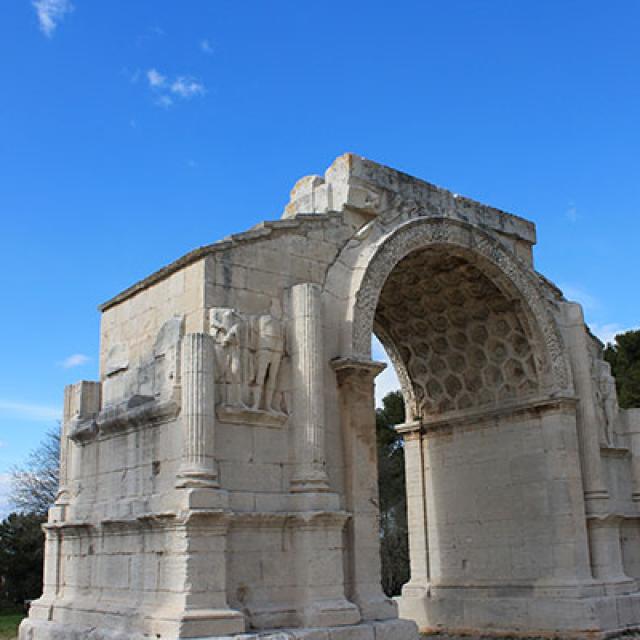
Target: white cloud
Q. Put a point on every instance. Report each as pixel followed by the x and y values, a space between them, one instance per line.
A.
pixel 167 91
pixel 50 13
pixel 206 47
pixel 25 411
pixel 164 101
pixel 572 212
pixel 75 360
pixel 156 79
pixel 187 87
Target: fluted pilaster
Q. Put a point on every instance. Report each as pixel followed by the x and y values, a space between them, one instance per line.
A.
pixel 198 412
pixel 307 354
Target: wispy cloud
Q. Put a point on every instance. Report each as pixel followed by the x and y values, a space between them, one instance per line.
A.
pixel 50 13
pixel 578 294
pixel 187 87
pixel 167 91
pixel 75 360
pixel 572 212
pixel 164 101
pixel 156 79
pixel 206 46
pixel 132 75
pixel 26 411
pixel 151 33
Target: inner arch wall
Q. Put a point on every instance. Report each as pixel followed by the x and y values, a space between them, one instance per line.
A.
pixel 370 261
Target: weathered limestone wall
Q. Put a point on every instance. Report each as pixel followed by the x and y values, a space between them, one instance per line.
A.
pixel 129 326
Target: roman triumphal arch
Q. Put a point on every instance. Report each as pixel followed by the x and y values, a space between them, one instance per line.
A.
pixel 220 478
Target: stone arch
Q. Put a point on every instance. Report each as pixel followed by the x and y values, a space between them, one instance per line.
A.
pixel 481 256
pixel 439 292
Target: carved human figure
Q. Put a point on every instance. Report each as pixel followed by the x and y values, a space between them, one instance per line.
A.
pixel 227 328
pixel 268 356
pixel 609 402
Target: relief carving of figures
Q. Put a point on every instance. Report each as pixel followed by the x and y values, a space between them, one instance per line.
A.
pixel 228 330
pixel 249 353
pixel 608 400
pixel 268 333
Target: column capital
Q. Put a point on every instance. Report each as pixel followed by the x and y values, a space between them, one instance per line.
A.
pixel 410 430
pixel 349 365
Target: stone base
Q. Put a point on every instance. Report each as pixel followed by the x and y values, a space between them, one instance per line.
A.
pixel 383 630
pixel 595 617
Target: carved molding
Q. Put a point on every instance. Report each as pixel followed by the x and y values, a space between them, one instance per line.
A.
pixel 121 418
pixel 245 415
pixel 534 407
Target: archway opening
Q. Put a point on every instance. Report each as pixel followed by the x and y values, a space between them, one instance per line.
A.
pixel 461 347
pixel 458 342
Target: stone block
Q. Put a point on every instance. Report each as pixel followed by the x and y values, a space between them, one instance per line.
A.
pixel 352 632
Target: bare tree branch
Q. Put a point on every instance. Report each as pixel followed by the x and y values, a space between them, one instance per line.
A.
pixel 34 485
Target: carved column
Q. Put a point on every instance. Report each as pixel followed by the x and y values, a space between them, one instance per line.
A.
pixel 418 584
pixel 631 420
pixel 198 468
pixel 357 418
pixel 595 489
pixel 307 358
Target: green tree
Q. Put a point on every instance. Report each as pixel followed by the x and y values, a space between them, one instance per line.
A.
pixel 624 357
pixel 394 544
pixel 21 557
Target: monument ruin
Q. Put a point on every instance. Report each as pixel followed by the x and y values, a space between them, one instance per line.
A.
pixel 220 478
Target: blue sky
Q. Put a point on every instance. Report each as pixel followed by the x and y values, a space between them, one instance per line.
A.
pixel 132 132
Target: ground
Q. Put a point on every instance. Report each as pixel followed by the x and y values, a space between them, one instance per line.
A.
pixel 9 622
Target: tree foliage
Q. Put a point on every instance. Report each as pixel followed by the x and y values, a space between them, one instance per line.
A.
pixel 21 557
pixel 624 358
pixel 394 544
pixel 34 485
pixel 33 489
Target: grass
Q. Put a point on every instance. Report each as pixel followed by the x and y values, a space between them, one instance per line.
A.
pixel 9 622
